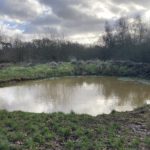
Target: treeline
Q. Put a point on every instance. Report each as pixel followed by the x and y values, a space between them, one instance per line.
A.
pixel 124 39
pixel 127 39
pixel 44 50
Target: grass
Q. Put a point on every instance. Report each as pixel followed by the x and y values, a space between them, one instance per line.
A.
pixel 20 130
pixel 35 72
pixel 40 71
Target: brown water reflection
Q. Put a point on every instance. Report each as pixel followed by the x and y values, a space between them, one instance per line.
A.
pixel 90 95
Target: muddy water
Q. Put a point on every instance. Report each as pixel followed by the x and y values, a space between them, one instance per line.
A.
pixel 88 95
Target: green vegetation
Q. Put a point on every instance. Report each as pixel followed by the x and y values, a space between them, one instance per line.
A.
pixel 19 72
pixel 19 130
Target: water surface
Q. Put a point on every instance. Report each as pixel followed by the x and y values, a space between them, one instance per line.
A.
pixel 88 95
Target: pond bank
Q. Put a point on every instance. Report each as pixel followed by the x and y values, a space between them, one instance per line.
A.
pixel 11 73
pixel 125 130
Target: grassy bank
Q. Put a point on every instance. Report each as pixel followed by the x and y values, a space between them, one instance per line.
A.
pixel 29 71
pixel 127 130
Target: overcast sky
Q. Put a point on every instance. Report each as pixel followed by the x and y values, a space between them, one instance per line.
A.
pixel 77 20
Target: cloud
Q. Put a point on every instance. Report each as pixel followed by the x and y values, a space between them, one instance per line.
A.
pixel 21 10
pixel 70 17
pixel 73 18
pixel 144 3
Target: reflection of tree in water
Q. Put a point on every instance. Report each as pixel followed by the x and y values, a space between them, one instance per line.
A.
pixel 58 91
pixel 125 91
pixel 61 90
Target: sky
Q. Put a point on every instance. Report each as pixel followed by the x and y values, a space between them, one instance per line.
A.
pixel 75 20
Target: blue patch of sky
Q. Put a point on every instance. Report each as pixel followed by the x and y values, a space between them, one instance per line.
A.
pixel 14 25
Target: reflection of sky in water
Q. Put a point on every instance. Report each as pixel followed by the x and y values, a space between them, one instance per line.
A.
pixel 82 95
pixel 148 102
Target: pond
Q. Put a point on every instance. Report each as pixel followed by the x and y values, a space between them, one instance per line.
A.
pixel 88 95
